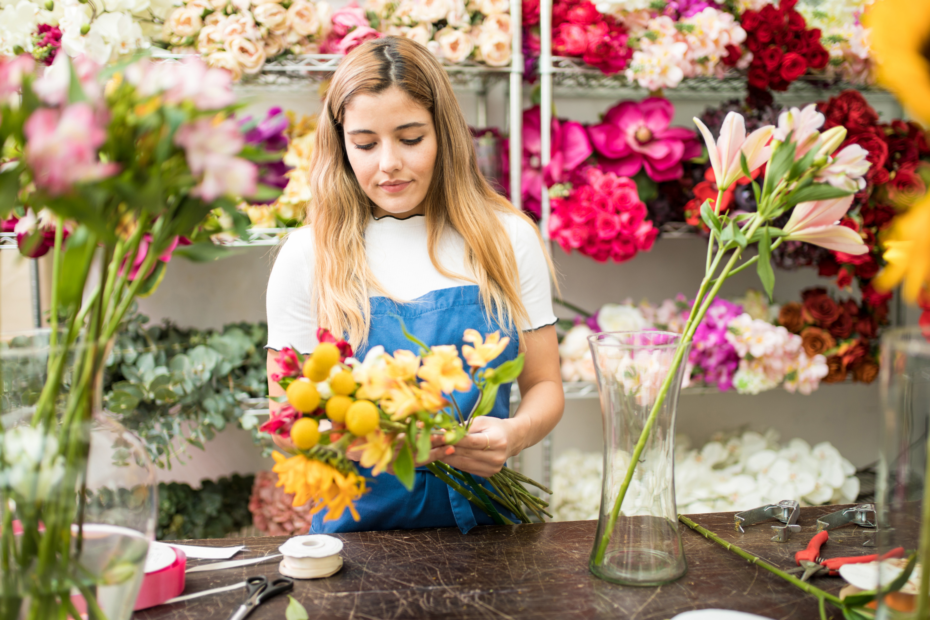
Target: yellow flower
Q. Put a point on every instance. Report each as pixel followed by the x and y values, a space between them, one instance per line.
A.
pixel 323 484
pixel 372 375
pixel 403 366
pixel 400 401
pixel 443 368
pixel 431 397
pixel 378 452
pixel 899 33
pixel 484 351
pixel 908 251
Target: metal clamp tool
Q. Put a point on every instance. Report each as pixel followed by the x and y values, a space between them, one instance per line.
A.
pixel 862 515
pixel 787 511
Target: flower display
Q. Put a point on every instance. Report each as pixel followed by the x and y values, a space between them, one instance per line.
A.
pixel 604 219
pixel 636 135
pixel 713 356
pixel 390 408
pixel 844 37
pixel 731 472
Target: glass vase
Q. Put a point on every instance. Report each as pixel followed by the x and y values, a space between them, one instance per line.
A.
pixel 77 495
pixel 903 467
pixel 637 541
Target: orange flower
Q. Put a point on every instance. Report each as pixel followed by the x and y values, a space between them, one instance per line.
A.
pixel 378 452
pixel 443 369
pixel 323 484
pixel 403 366
pixel 400 401
pixel 484 351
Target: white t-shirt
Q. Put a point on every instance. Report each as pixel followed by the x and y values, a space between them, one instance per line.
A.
pixel 398 257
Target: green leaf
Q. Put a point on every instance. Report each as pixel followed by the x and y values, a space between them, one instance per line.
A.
pixel 764 264
pixel 75 90
pixel 164 394
pixel 205 252
pixel 488 397
pixel 646 188
pixel 733 234
pixel 264 193
pixel 817 191
pixel 174 117
pixel 152 282
pixel 710 218
pixel 79 251
pixel 803 164
pixel 295 611
pixel 781 162
pixel 122 402
pixel 506 372
pixel 403 467
pixel 423 445
pixel 853 614
pixel 744 165
pixel 411 337
pixel 9 190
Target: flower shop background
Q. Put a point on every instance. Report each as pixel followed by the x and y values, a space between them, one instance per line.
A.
pixel 213 294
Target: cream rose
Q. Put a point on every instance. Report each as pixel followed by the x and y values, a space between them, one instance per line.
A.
pixel 489 7
pixel 458 16
pixel 421 33
pixel 454 45
pixel 260 2
pixel 185 22
pixel 617 318
pixel 495 48
pixel 274 44
pixel 218 5
pixel 208 40
pixel 238 26
pixel 214 19
pixel 225 60
pixel 499 22
pixel 249 54
pixel 302 18
pixel 430 10
pixel 200 6
pixel 273 16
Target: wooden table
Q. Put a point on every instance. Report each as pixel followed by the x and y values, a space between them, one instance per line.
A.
pixel 524 571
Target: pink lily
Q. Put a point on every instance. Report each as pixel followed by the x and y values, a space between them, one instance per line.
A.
pixel 725 153
pixel 816 223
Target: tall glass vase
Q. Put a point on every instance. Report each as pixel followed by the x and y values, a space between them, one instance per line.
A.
pixel 77 494
pixel 637 541
pixel 904 469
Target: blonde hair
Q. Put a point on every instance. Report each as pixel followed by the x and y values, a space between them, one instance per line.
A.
pixel 458 198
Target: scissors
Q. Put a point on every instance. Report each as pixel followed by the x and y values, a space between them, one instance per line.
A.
pixel 259 592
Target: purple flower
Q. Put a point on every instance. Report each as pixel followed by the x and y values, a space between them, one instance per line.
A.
pixel 636 135
pixel 688 8
pixel 715 360
pixel 269 135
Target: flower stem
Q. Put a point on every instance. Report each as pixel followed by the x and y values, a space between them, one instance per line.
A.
pixel 439 473
pixel 820 594
pixel 56 271
pixel 693 321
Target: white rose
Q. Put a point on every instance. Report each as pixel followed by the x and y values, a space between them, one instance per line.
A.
pixel 498 22
pixel 218 5
pixel 209 40
pixel 242 5
pixel 489 7
pixel 324 13
pixel 430 10
pixel 421 33
pixel 495 49
pixel 225 60
pixel 215 19
pixel 302 18
pixel 274 44
pixel 274 16
pixel 259 2
pixel 454 45
pixel 161 8
pixel 458 16
pixel 184 22
pixel 575 345
pixel 249 54
pixel 617 318
pixel 200 6
pixel 240 26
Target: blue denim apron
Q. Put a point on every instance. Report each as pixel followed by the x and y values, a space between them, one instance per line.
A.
pixel 437 318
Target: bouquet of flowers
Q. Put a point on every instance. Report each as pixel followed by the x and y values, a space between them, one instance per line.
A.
pixel 390 408
pixel 454 30
pixel 130 160
pixel 241 36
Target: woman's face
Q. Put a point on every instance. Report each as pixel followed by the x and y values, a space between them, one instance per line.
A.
pixel 391 142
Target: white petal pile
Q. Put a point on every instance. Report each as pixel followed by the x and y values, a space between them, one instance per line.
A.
pixel 731 472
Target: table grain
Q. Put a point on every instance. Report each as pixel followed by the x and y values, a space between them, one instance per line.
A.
pixel 537 571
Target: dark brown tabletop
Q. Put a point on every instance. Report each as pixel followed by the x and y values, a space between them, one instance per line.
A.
pixel 524 571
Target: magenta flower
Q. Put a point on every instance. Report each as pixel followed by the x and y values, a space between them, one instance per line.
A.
pixel 289 364
pixel 714 358
pixel 281 423
pixel 211 150
pixel 636 135
pixel 570 147
pixel 144 246
pixel 61 148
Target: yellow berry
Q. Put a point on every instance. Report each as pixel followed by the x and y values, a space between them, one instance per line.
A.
pixel 314 372
pixel 325 355
pixel 303 396
pixel 343 383
pixel 305 433
pixel 337 406
pixel 362 418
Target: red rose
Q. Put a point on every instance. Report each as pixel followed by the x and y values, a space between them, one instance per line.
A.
pixel 755 46
pixel 809 293
pixel 530 12
pixel 570 40
pixel 850 259
pixel 822 309
pixel 584 14
pixel 876 215
pixel 788 5
pixel 878 176
pixel 734 53
pixel 842 327
pixel 867 270
pixel 750 20
pixel 818 57
pixel 872 140
pixel 855 353
pixel 827 268
pixel 764 32
pixel 924 322
pixel 793 66
pixel 771 57
pixel 795 20
pixel 844 278
pixel 867 328
pixel 874 298
pixel 758 78
pixel 770 15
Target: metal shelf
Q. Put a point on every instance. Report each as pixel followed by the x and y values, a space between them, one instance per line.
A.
pixel 293 72
pixel 8 241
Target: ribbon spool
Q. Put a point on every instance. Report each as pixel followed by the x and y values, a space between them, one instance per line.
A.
pixel 164 575
pixel 311 557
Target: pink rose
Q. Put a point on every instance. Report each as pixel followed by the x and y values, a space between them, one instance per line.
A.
pixel 356 38
pixel 348 18
pixel 570 40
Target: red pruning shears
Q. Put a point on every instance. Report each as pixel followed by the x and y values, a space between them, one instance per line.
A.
pixel 813 564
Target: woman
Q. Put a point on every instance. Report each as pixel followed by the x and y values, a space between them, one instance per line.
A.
pixel 402 224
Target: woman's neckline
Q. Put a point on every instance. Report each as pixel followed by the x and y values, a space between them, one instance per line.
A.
pixel 398 219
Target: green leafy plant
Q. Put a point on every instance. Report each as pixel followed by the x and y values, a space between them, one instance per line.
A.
pixel 215 510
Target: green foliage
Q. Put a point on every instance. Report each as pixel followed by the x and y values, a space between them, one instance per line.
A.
pixel 215 510
pixel 295 611
pixel 174 386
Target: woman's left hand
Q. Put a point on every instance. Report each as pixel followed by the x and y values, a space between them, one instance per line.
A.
pixel 486 447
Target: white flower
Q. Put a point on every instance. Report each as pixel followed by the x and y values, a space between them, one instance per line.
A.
pixel 489 7
pixel 273 16
pixel 185 22
pixel 302 18
pixel 494 48
pixel 225 60
pixel 847 169
pixel 421 33
pixel 617 318
pixel 17 23
pixel 430 10
pixel 575 343
pixel 454 45
pixel 249 54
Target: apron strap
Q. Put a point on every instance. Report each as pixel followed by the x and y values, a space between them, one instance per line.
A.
pixel 461 508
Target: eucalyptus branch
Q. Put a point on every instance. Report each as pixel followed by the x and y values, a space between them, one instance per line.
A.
pixel 752 559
